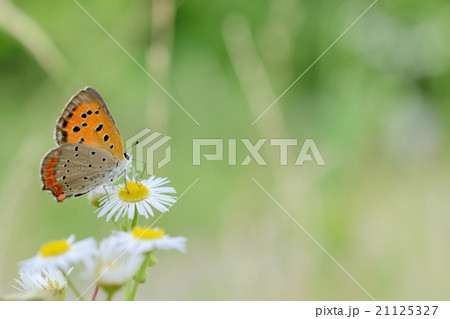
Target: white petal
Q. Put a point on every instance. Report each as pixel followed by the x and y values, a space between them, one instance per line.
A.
pixel 147 208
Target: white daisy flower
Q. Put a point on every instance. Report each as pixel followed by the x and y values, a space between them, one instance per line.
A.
pixel 112 266
pixel 60 254
pixel 50 279
pixel 95 195
pixel 144 239
pixel 136 198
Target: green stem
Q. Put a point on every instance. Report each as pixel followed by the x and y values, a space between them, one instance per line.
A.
pixel 133 291
pixel 74 289
pixel 127 289
pixel 133 224
pixel 117 226
pixel 110 295
pixel 139 274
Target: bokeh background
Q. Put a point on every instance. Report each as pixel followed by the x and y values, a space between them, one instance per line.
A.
pixel 376 105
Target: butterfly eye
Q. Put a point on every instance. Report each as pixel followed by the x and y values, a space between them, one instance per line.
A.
pixel 126 156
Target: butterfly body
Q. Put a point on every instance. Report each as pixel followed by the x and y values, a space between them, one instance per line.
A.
pixel 89 152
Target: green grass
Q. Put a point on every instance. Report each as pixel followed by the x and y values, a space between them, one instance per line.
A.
pixel 376 105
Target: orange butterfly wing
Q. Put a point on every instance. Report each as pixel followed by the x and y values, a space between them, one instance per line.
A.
pixel 87 120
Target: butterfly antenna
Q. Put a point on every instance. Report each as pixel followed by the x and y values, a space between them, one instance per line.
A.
pixel 132 145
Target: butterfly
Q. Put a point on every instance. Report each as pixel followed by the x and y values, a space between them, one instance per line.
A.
pixel 90 150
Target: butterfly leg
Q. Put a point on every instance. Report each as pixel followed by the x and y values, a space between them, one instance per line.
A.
pixel 145 168
pixel 125 180
pixel 135 177
pixel 143 171
pixel 106 192
pixel 133 174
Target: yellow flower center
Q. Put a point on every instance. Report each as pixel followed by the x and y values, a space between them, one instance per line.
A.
pixel 54 248
pixel 103 268
pixel 147 233
pixel 135 193
pixel 52 285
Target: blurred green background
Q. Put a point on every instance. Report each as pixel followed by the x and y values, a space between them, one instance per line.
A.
pixel 376 105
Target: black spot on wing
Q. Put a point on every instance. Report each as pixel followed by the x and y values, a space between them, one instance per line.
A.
pixel 64 136
pixel 80 194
